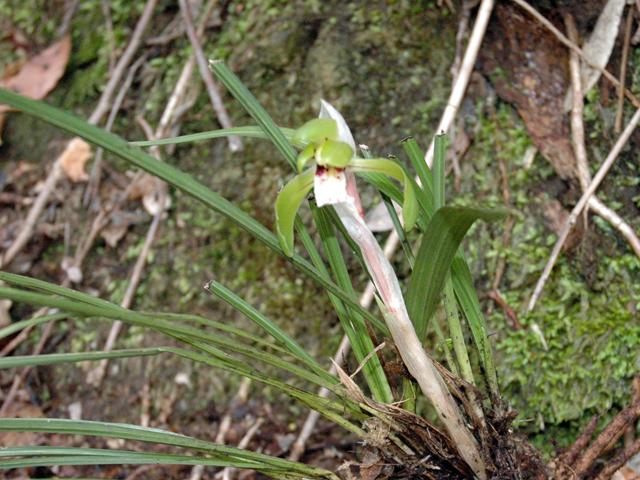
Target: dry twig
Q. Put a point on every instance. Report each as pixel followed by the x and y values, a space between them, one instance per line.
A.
pixel 595 183
pixel 95 376
pixel 229 472
pixel 212 89
pixel 620 423
pixel 588 186
pixel 94 179
pixel 577 49
pixel 468 63
pixel 623 70
pixel 114 80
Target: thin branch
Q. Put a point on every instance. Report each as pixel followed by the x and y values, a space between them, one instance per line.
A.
pixel 468 63
pixel 580 149
pixel 19 378
pixel 94 179
pixel 123 63
pixel 229 472
pixel 96 375
pixel 214 92
pixel 29 224
pixel 613 155
pixel 616 222
pixel 577 110
pixel 623 70
pixel 578 50
pixel 626 417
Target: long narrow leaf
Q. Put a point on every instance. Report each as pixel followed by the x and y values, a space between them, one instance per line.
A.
pixel 267 325
pixel 255 132
pixel 421 168
pixel 174 177
pixel 152 435
pixel 448 227
pixel 358 335
pixel 169 328
pixel 253 107
pixel 18 326
pixel 468 301
pixel 57 358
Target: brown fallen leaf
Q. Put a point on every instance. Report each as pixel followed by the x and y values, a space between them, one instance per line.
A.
pixel 626 473
pixel 36 78
pixel 74 158
pixel 148 189
pixel 20 409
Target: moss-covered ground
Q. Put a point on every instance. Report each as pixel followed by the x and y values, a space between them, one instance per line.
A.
pixel 385 65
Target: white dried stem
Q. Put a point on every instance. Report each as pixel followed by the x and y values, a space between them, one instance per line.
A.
pixel 577 49
pixel 466 68
pixel 203 65
pixel 615 151
pixel 406 340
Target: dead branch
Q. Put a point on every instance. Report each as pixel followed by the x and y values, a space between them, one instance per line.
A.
pixel 114 80
pixel 96 375
pixel 595 183
pixel 229 472
pixel 623 69
pixel 577 49
pixel 29 224
pixel 94 179
pixel 580 149
pixel 468 63
pixel 618 424
pixel 214 92
pixel 19 378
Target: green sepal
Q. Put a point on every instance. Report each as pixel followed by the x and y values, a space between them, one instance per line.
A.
pixel 305 155
pixel 287 205
pixel 334 154
pixel 316 130
pixel 388 167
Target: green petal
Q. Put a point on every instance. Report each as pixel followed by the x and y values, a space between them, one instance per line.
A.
pixel 318 129
pixel 334 154
pixel 387 167
pixel 287 205
pixel 305 155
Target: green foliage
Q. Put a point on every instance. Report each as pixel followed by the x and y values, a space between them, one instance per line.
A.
pixel 588 369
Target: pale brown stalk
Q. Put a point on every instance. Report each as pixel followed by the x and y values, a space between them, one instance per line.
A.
pixel 577 49
pixel 203 65
pixel 406 339
pixel 466 68
pixel 595 183
pixel 623 69
pixel 298 447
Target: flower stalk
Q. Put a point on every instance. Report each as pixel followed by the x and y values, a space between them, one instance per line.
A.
pixel 328 142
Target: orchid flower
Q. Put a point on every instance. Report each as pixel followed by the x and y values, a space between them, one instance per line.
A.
pixel 328 149
pixel 328 145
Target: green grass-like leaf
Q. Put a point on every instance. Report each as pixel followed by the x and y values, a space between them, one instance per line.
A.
pixel 255 132
pixel 178 179
pixel 439 245
pixel 267 464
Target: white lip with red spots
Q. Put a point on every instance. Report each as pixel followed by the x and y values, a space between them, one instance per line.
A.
pixel 330 186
